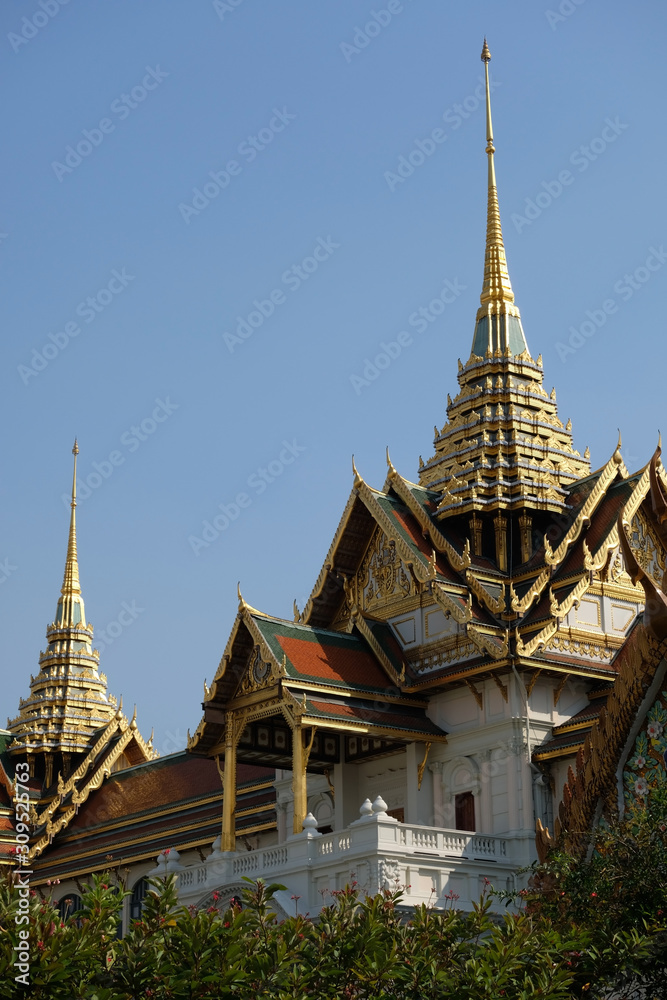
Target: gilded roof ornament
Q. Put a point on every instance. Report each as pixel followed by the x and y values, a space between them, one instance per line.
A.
pixel 357 478
pixel 71 584
pixel 617 453
pixel 498 326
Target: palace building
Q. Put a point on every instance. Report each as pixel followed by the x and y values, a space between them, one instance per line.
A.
pixel 479 670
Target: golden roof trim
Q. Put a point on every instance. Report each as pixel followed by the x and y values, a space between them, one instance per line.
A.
pixel 330 558
pixel 526 649
pixel 496 605
pixel 457 561
pixel 553 557
pixel 521 605
pixel 79 796
pixel 381 656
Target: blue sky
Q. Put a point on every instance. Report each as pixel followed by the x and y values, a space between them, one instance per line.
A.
pixel 206 339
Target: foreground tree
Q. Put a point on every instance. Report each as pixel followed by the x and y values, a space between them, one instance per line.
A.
pixel 586 928
pixel 617 885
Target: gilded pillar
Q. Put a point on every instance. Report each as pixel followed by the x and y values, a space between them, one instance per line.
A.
pixel 476 534
pixel 500 525
pixel 299 785
pixel 526 524
pixel 228 838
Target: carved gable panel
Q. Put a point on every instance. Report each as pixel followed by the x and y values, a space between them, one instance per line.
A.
pixel 383 578
pixel 647 550
pixel 258 674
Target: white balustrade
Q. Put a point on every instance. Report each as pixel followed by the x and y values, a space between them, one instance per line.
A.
pixel 245 864
pixel 374 838
pixel 275 857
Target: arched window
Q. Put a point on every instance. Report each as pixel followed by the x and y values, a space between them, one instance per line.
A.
pixel 137 898
pixel 69 905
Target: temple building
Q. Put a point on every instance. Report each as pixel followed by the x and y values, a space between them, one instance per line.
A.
pixel 479 669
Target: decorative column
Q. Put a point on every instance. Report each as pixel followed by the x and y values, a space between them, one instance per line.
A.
pixel 438 809
pixel 476 534
pixel 500 525
pixel 281 820
pixel 299 782
pixel 487 771
pixel 411 790
pixel 228 837
pixel 525 525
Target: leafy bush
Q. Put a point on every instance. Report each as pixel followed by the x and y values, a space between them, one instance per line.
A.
pixel 357 948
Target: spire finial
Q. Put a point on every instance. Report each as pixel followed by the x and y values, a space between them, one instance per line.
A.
pixel 71 583
pixel 486 59
pixel 498 326
pixel 497 287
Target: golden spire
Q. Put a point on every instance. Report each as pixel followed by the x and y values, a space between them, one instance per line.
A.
pixel 499 462
pixel 497 286
pixel 70 612
pixel 498 324
pixel 71 583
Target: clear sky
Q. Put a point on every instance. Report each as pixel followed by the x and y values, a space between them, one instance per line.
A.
pixel 205 234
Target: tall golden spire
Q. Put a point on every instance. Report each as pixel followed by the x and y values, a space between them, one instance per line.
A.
pixel 493 453
pixel 70 610
pixel 71 583
pixel 497 286
pixel 495 332
pixel 68 701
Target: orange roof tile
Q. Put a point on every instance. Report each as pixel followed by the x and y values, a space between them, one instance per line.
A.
pixel 332 662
